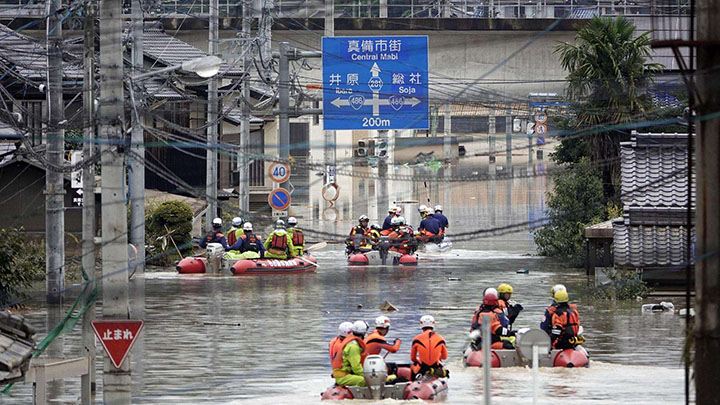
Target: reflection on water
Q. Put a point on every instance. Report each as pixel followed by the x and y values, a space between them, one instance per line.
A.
pixel 278 352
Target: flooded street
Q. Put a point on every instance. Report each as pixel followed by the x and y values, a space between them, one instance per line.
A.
pixel 263 340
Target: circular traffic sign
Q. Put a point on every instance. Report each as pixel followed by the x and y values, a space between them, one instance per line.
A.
pixel 279 199
pixel 540 129
pixel 541 118
pixel 279 172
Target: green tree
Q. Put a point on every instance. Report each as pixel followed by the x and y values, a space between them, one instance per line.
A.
pixel 608 77
pixel 576 202
pixel 21 263
pixel 170 218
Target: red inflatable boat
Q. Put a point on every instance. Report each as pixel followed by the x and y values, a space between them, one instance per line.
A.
pixel 577 357
pixel 198 265
pixel 376 258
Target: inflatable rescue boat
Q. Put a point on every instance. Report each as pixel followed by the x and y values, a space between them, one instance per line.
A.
pixel 379 257
pixel 433 247
pixel 200 264
pixel 375 373
pixel 522 354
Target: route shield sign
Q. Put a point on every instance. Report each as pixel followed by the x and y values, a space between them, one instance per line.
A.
pixel 375 82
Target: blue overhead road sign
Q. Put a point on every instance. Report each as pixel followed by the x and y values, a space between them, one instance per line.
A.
pixel 375 82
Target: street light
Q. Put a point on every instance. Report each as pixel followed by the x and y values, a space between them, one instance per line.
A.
pixel 205 67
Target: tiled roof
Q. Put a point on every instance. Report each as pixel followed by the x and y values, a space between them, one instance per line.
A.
pixel 654 171
pixel 234 117
pixel 649 246
pixel 16 347
pixel 169 51
pixel 27 57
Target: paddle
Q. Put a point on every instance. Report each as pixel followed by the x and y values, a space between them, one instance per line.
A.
pixel 317 246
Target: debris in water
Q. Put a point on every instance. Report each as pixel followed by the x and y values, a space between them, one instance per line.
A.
pixel 453 279
pixel 359 305
pixel 523 271
pixel 683 313
pixel 661 307
pixel 207 323
pixel 388 307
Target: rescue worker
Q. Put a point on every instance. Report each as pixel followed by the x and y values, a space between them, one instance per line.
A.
pixel 336 342
pixel 250 246
pixel 236 232
pixel 392 213
pixel 348 367
pixel 565 323
pixel 501 335
pixel 429 227
pixel 376 342
pixel 401 239
pixel 215 235
pixel 298 239
pixel 421 210
pixel 278 244
pixel 358 232
pixel 510 309
pixel 428 351
pixel 442 219
pixel 374 236
pixel 545 323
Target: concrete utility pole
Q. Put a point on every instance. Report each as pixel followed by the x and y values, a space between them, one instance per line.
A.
pixel 491 133
pixel 87 381
pixel 242 158
pixel 136 174
pixel 111 115
pixel 508 136
pixel 265 34
pixel 330 150
pixel 212 129
pixel 707 265
pixel 447 134
pixel 382 182
pixel 284 105
pixel 54 182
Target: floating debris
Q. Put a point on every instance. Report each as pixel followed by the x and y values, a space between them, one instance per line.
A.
pixel 661 307
pixel 208 323
pixel 388 307
pixel 523 271
pixel 359 306
pixel 454 279
pixel 683 313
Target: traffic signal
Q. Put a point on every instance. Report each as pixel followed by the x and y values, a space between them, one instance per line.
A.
pixel 362 149
pixel 381 149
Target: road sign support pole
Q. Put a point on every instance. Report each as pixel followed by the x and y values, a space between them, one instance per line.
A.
pixel 211 178
pixel 284 105
pixel 330 152
pixel 382 186
pixel 116 382
pixel 447 132
pixel 136 174
pixel 487 365
pixel 242 159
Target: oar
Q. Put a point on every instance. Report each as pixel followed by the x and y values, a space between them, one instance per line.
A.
pixel 317 246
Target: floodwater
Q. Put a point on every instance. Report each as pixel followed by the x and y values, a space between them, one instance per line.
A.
pixel 263 340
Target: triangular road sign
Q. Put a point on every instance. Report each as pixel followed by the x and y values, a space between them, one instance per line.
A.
pixel 117 337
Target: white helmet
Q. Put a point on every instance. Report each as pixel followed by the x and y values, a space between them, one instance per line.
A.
pixel 247 226
pixel 292 221
pixel 359 327
pixel 401 220
pixel 344 328
pixel 237 221
pixel 427 321
pixel 382 321
pixel 393 209
pixel 438 208
pixel 395 221
pixel 217 223
pixel 556 288
pixel 398 211
pixel 422 208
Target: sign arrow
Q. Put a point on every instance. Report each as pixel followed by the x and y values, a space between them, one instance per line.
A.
pixel 413 101
pixel 375 70
pixel 339 102
pixel 79 191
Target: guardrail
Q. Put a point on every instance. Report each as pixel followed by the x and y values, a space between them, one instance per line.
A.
pixel 401 8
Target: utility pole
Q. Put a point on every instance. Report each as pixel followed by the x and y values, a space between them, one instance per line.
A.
pixel 284 105
pixel 87 381
pixel 265 34
pixel 508 137
pixel 212 129
pixel 54 181
pixel 136 174
pixel 242 158
pixel 707 262
pixel 330 150
pixel 382 183
pixel 111 115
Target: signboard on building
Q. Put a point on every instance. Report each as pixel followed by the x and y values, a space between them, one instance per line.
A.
pixel 375 82
pixel 117 337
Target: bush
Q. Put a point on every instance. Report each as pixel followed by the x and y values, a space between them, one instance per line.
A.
pixel 576 202
pixel 624 285
pixel 21 263
pixel 177 217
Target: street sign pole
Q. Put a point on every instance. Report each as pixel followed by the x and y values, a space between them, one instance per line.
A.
pixel 284 105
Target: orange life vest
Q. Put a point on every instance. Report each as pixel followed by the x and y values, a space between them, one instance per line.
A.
pixel 375 343
pixel 298 238
pixel 567 318
pixel 494 321
pixel 279 242
pixel 337 361
pixel 428 348
pixel 334 345
pixel 386 232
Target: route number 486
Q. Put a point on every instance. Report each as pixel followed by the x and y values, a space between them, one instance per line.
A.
pixel 375 122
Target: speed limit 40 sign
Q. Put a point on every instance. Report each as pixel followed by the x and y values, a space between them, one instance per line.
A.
pixel 279 172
